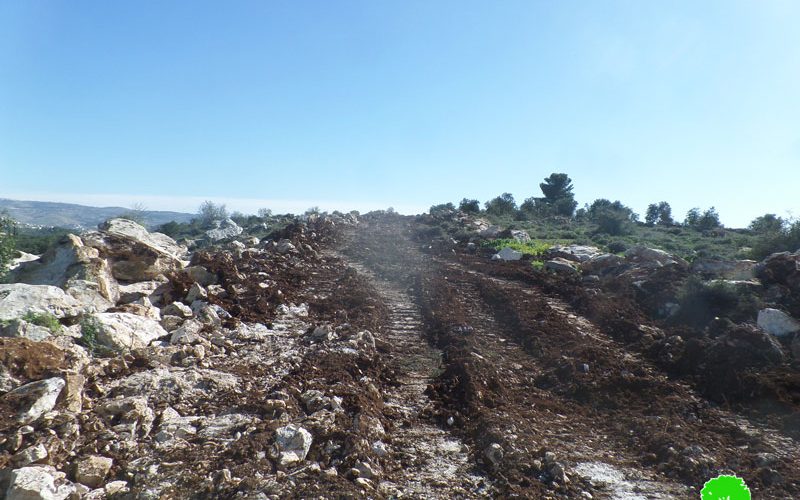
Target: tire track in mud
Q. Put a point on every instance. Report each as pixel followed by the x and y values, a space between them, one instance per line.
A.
pixel 488 388
pixel 440 465
pixel 532 423
pixel 512 377
pixel 764 445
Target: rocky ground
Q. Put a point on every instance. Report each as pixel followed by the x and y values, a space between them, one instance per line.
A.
pixel 347 357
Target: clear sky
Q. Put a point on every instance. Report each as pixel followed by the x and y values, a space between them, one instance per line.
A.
pixel 406 103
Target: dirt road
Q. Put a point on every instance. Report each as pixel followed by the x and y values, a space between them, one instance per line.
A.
pixel 549 403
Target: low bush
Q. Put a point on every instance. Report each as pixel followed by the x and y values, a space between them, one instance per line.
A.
pixel 533 248
pixel 46 320
pixel 89 331
pixel 700 302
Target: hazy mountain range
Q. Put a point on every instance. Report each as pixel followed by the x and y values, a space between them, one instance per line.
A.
pixel 72 216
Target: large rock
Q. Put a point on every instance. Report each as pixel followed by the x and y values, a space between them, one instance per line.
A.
pixel 18 299
pixel 135 254
pixel 140 290
pixel 70 264
pixel 599 264
pixel 30 401
pixel 173 426
pixel 123 331
pixel 23 329
pixel 520 235
pixel 732 270
pixel 507 253
pixel 201 275
pixel 782 268
pixel 292 443
pixel 38 483
pixel 131 416
pixel 578 253
pixel 29 455
pixel 653 257
pixel 560 265
pixel 175 384
pixel 490 231
pixel 22 259
pixel 777 323
pixel 740 347
pixel 224 427
pixel 226 228
pixel 89 294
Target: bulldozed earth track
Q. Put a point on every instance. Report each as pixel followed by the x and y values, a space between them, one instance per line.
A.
pixel 557 406
pixel 398 370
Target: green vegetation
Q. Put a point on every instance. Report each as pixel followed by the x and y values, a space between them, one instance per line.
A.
pixel 8 250
pixel 558 194
pixel 469 206
pixel 775 237
pixel 660 214
pixel 612 218
pixel 702 301
pixel 702 221
pixel 38 241
pixel 209 212
pixel 89 330
pixel 46 320
pixel 502 205
pixel 532 248
pixel 442 209
pixel 137 214
pixel 616 227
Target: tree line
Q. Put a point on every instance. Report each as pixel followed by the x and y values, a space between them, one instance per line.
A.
pixel 615 218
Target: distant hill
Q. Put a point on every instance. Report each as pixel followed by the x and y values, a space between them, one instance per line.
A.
pixel 71 216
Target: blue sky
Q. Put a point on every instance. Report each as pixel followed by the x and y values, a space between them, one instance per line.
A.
pixel 370 104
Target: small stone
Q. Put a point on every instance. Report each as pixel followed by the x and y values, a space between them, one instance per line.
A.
pixel 276 405
pixel 92 470
pixel 315 400
pixel 116 488
pixel 364 483
pixel 494 452
pixel 196 292
pixel 366 470
pixel 29 455
pixel 322 333
pixel 73 392
pixel 557 472
pixel 293 443
pixel 178 309
pixel 379 448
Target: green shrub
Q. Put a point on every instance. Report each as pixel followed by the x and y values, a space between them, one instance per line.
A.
pixel 533 248
pixel 469 206
pixel 617 247
pixel 502 205
pixel 8 249
pixel 703 301
pixel 45 319
pixel 89 330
